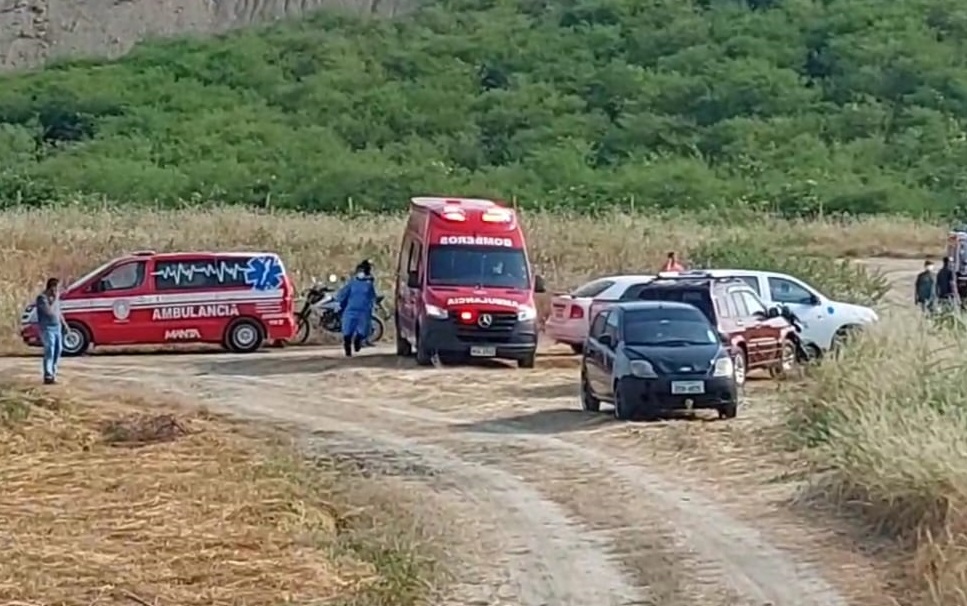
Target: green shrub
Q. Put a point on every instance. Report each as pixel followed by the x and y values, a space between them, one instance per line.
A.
pixel 837 279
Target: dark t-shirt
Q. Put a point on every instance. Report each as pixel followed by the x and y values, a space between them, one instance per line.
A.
pixel 945 282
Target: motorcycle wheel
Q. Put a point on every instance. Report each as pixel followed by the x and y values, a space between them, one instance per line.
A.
pixel 376 330
pixel 301 332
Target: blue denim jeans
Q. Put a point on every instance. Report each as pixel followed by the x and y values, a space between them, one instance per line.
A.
pixel 53 341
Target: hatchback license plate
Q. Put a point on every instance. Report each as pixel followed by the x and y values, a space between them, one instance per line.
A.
pixel 688 387
pixel 483 352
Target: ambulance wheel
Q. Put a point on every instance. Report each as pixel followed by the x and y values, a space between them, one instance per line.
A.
pixel 244 336
pixel 423 355
pixel 403 347
pixel 76 340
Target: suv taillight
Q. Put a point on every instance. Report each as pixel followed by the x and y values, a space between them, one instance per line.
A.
pixel 576 312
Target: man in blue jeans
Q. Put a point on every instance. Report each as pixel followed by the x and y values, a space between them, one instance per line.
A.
pixel 51 324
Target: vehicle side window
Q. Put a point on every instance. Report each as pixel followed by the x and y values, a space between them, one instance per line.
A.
pixel 611 327
pixel 752 303
pixel 741 311
pixel 124 277
pixel 787 291
pixel 413 262
pixel 197 274
pixel 597 327
pixel 592 289
pixel 722 306
pixel 633 292
pixel 753 283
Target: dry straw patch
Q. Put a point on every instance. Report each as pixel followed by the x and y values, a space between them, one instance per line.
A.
pixel 68 242
pixel 887 425
pixel 102 502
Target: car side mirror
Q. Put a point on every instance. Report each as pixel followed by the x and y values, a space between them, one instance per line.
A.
pixel 412 280
pixel 98 286
pixel 539 286
pixel 605 340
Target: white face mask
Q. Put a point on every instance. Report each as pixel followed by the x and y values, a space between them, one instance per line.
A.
pixel 930 268
pixel 360 275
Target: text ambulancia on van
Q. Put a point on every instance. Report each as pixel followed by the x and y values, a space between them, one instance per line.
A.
pixel 239 300
pixel 464 284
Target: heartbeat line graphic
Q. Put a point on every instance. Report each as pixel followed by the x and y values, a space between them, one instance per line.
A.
pixel 220 270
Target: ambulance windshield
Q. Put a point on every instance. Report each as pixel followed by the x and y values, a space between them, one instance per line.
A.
pixel 88 276
pixel 483 266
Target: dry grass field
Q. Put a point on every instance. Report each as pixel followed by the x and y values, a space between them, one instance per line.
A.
pixel 883 429
pixel 565 249
pixel 111 499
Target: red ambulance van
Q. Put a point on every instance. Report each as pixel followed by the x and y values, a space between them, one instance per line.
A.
pixel 238 300
pixel 464 284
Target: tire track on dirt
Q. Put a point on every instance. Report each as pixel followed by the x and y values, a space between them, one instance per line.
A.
pixel 657 529
pixel 538 556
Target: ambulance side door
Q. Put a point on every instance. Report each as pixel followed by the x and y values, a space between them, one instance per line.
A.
pixel 118 313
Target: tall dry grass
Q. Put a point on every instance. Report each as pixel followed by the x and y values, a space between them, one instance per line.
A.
pixel 566 249
pixel 885 427
pixel 105 503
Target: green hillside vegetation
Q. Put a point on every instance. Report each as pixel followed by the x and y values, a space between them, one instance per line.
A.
pixel 798 106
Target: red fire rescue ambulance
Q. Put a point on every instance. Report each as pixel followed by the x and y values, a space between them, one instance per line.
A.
pixel 464 284
pixel 238 300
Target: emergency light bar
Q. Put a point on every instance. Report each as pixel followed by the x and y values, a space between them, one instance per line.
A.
pixel 497 215
pixel 453 213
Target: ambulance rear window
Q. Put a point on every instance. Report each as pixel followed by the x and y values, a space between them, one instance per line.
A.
pixel 483 266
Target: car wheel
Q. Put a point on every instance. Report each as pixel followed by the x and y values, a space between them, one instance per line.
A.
pixel 403 347
pixel 787 360
pixel 577 348
pixel 729 411
pixel 423 356
pixel 588 402
pixel 244 336
pixel 739 361
pixel 622 409
pixel 527 361
pixel 75 341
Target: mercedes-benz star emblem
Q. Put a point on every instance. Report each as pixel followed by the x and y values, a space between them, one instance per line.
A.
pixel 485 320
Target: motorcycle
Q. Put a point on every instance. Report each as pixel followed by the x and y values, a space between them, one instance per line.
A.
pixel 320 307
pixel 804 353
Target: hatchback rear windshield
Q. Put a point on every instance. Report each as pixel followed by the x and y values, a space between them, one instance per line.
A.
pixel 699 297
pixel 482 266
pixel 670 327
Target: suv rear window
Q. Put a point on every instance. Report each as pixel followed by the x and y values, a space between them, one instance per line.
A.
pixel 592 289
pixel 699 297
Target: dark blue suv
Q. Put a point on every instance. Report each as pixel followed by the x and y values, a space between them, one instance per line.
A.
pixel 649 357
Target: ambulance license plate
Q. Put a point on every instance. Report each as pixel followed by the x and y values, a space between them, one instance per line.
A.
pixel 483 352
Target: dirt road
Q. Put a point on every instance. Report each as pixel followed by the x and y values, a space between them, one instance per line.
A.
pixel 550 505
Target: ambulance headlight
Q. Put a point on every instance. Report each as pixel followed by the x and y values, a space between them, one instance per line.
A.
pixel 526 313
pixel 433 311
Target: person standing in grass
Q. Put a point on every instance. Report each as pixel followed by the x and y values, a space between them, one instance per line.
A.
pixel 672 264
pixel 946 286
pixel 925 291
pixel 51 324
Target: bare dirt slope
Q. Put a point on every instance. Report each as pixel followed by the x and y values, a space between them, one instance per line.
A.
pixel 550 505
pixel 34 31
